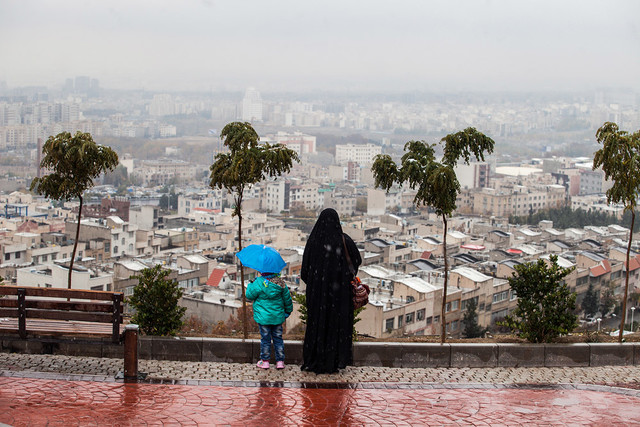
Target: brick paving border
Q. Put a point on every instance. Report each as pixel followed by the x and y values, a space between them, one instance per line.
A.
pixel 237 373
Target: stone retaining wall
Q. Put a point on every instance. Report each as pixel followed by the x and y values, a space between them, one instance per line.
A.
pixel 387 354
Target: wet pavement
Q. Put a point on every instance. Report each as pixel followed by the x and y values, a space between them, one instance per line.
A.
pixel 62 390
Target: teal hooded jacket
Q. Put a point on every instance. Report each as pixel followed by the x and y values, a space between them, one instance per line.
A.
pixel 271 301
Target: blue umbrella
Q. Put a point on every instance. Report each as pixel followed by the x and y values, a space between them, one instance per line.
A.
pixel 262 258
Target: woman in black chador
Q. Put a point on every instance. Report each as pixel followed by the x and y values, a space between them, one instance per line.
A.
pixel 326 272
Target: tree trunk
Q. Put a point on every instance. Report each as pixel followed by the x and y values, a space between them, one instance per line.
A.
pixel 626 281
pixel 245 332
pixel 75 244
pixel 443 329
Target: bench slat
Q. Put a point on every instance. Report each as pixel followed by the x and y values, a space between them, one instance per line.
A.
pixel 102 307
pixel 58 327
pixel 58 293
pixel 62 315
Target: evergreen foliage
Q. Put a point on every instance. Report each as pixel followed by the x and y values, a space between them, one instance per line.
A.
pixel 565 217
pixel 155 299
pixel 75 161
pixel 301 299
pixel 545 303
pixel 590 302
pixel 435 182
pixel 608 301
pixel 246 163
pixel 470 321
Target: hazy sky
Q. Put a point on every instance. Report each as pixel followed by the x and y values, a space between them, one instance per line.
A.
pixel 328 45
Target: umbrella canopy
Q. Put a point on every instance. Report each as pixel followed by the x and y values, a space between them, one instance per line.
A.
pixel 262 258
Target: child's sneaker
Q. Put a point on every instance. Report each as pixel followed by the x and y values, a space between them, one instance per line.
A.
pixel 280 364
pixel 264 364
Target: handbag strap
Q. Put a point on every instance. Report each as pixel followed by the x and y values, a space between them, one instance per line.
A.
pixel 346 252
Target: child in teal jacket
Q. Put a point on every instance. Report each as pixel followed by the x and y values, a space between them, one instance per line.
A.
pixel 271 306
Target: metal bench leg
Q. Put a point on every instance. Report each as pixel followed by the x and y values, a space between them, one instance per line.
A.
pixel 131 352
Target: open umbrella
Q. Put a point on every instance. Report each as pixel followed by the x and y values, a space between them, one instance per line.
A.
pixel 262 258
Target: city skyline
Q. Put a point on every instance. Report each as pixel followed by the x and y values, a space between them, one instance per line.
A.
pixel 493 45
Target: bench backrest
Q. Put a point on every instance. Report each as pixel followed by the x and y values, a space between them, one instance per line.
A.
pixel 67 304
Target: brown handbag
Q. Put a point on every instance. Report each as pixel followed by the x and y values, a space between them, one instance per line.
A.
pixel 359 291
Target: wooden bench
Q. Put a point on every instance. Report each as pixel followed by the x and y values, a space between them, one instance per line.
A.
pixel 32 313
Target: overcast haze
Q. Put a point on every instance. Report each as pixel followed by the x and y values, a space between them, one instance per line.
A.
pixel 329 45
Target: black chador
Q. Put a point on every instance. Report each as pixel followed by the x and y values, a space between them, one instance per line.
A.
pixel 326 272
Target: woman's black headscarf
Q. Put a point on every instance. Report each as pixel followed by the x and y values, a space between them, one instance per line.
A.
pixel 326 272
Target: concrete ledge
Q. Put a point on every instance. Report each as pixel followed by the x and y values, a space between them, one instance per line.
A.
pixel 384 354
pixel 78 348
pixel 228 350
pixel 417 355
pixel 173 348
pixel 292 352
pixel 520 355
pixel 474 356
pixel 610 354
pixel 557 355
pixel 15 345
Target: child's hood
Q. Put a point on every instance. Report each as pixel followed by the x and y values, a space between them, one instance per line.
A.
pixel 273 287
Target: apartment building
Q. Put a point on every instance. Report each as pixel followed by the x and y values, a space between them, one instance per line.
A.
pixel 297 141
pixel 56 275
pixel 210 200
pixel 380 202
pixel 277 196
pixel 344 204
pixel 162 171
pixel 362 154
pixel 112 236
pixel 305 195
pixel 493 295
pixel 515 200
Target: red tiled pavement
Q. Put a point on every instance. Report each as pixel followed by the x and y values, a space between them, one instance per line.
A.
pixel 32 401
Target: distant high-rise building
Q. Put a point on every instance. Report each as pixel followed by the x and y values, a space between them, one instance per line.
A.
pixel 82 84
pixel 297 141
pixel 252 106
pixel 162 105
pixel 360 153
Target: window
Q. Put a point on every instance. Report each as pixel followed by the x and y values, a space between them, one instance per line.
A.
pixel 399 321
pixel 97 288
pixel 436 319
pixel 447 307
pixel 389 324
pixel 115 250
pixel 17 255
pixel 420 314
pixel 7 257
pixel 500 296
pixel 455 304
pixel 463 305
pixel 408 318
pixel 429 320
pixel 410 299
